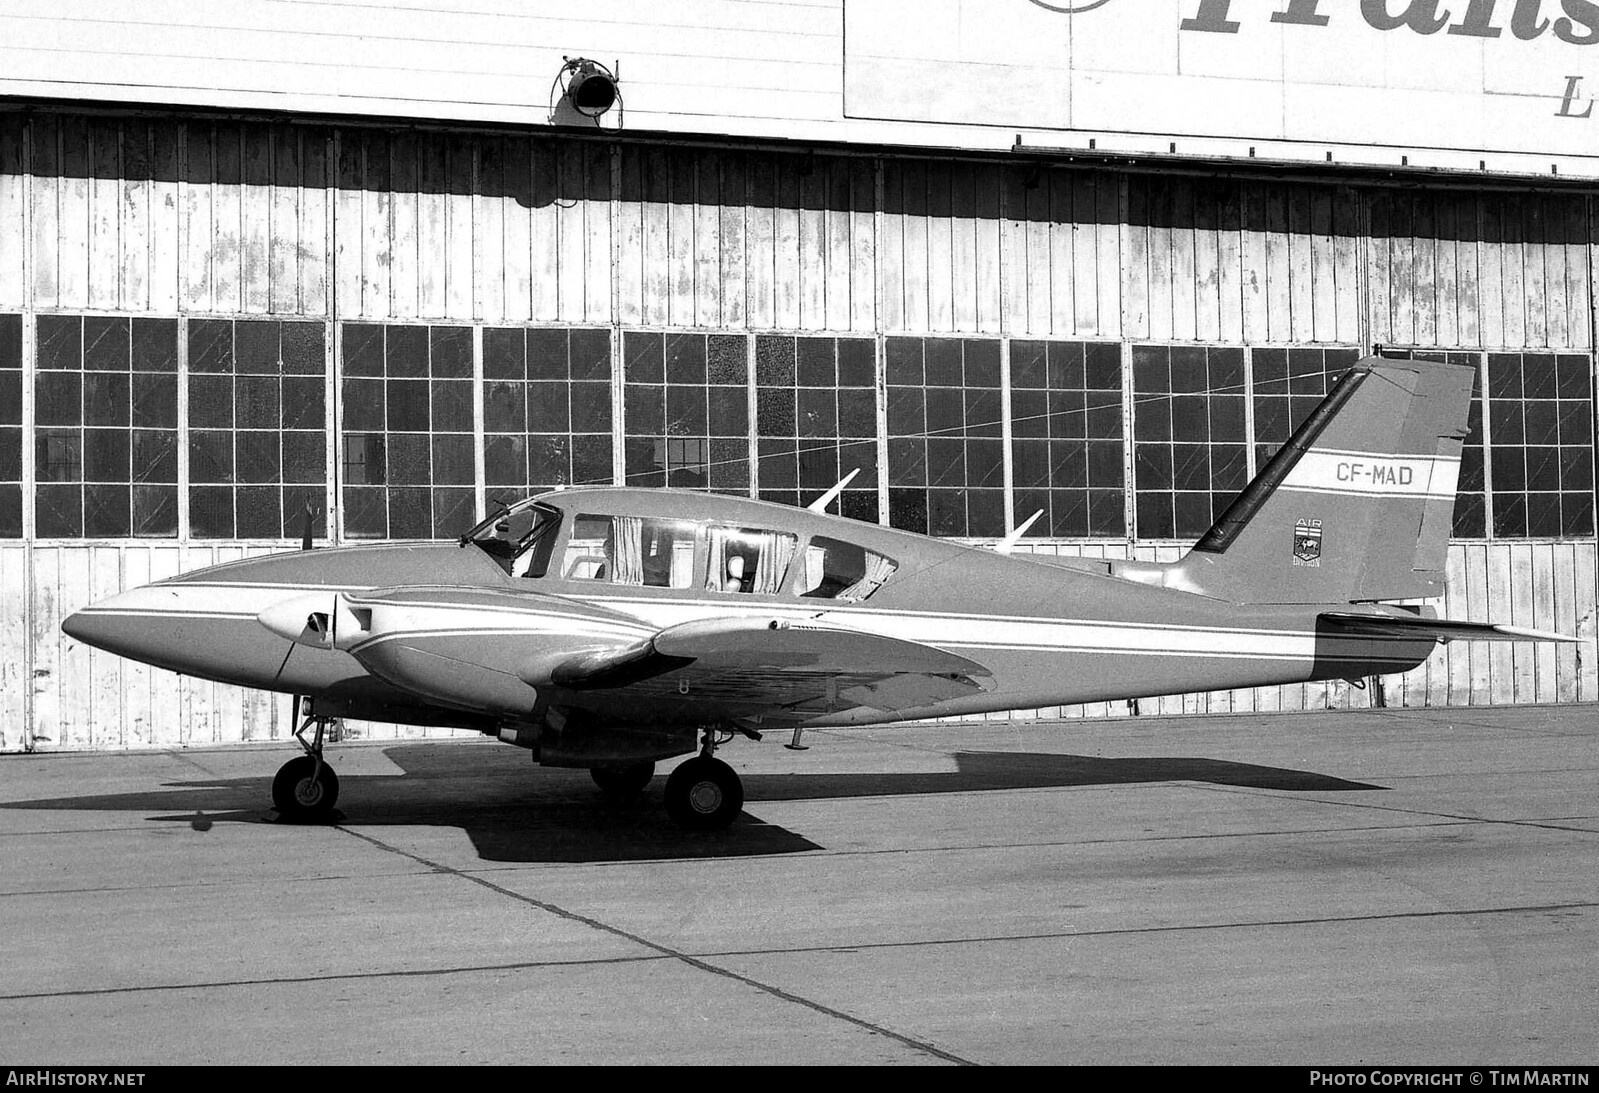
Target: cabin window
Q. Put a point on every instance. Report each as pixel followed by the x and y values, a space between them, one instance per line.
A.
pixel 644 551
pixel 836 570
pixel 749 559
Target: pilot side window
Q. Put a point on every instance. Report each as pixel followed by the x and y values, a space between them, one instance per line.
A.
pixel 835 570
pixel 749 559
pixel 645 551
pixel 520 539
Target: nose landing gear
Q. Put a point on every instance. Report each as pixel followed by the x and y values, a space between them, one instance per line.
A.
pixel 306 788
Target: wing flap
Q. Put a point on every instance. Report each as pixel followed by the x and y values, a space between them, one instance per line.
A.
pixel 1445 630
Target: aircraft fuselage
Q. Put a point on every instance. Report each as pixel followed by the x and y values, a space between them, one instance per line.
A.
pixel 462 632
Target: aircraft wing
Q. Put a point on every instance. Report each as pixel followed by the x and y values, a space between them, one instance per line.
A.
pixel 1356 624
pixel 741 668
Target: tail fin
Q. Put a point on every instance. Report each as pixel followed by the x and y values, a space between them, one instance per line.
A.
pixel 1358 505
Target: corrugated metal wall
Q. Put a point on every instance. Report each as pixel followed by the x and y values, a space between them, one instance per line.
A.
pixel 168 216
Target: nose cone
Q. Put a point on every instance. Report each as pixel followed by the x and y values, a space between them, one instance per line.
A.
pixel 204 629
pixel 82 626
pixel 120 624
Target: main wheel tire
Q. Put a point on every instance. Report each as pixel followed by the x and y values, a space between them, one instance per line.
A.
pixel 302 794
pixel 623 783
pixel 704 794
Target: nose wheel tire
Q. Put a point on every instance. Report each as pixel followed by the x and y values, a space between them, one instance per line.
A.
pixel 704 794
pixel 623 783
pixel 305 790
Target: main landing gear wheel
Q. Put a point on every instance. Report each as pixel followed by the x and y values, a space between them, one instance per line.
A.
pixel 623 783
pixel 305 790
pixel 704 794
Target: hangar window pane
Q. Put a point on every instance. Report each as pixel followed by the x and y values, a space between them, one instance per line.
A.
pixel 546 409
pixel 686 409
pixel 816 420
pixel 257 428
pixel 1286 385
pixel 10 426
pixel 1066 437
pixel 1540 443
pixel 1190 454
pixel 106 437
pixel 945 436
pixel 407 449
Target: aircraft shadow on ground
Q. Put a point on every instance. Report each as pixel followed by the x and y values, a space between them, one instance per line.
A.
pixel 514 811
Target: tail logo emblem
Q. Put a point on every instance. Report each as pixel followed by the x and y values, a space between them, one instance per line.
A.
pixel 1307 543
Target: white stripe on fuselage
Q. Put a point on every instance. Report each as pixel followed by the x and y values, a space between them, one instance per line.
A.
pixel 1014 633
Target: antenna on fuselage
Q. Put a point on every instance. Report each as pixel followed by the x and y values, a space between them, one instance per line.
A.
pixel 821 503
pixel 305 527
pixel 1008 544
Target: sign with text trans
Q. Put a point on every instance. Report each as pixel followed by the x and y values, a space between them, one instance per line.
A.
pixel 1510 76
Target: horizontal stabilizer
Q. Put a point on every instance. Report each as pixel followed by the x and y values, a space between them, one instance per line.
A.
pixel 1445 630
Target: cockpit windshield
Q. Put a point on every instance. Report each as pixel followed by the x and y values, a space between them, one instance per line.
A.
pixel 520 538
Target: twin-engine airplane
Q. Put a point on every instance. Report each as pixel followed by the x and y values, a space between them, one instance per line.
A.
pixel 612 628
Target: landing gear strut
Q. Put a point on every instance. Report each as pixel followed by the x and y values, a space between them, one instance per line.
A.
pixel 306 788
pixel 704 793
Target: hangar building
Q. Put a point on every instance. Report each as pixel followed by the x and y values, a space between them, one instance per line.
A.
pixel 398 261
